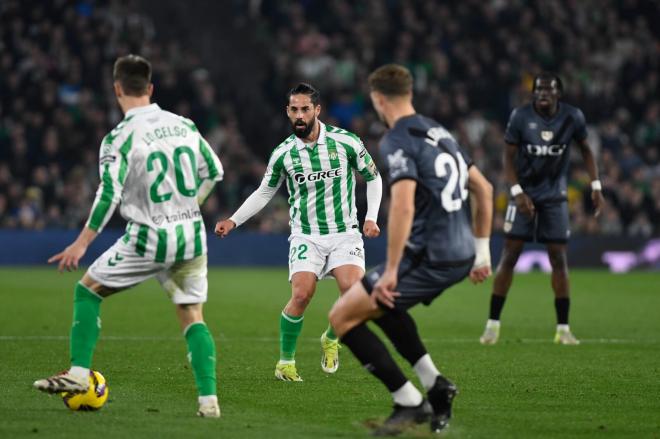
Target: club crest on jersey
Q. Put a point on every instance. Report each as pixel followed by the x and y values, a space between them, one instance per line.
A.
pixel 333 156
pixel 317 176
pixel 547 135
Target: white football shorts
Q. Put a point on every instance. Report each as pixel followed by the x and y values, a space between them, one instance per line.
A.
pixel 120 267
pixel 322 254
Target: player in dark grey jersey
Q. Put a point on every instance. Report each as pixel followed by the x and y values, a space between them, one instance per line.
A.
pixel 536 164
pixel 430 247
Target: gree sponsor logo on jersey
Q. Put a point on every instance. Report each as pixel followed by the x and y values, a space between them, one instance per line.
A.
pixel 543 150
pixel 164 132
pixel 176 217
pixel 318 176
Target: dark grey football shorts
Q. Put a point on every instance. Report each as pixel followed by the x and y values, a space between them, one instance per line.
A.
pixel 548 225
pixel 420 281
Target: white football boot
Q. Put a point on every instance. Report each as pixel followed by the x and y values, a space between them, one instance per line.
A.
pixel 566 337
pixel 63 382
pixel 491 333
pixel 209 410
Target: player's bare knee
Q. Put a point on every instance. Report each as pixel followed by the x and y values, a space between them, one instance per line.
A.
pixel 301 298
pixel 509 259
pixel 558 260
pixel 189 313
pixel 345 286
pixel 97 287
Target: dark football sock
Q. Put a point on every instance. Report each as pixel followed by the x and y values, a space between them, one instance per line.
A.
pixel 373 355
pixel 562 305
pixel 400 328
pixel 496 305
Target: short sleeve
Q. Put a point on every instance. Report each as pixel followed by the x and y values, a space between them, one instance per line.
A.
pixel 580 132
pixel 397 162
pixel 466 156
pixel 512 132
pixel 114 166
pixel 361 160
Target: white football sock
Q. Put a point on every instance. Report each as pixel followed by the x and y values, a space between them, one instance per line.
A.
pixel 563 328
pixel 208 400
pixel 407 395
pixel 492 324
pixel 79 372
pixel 426 371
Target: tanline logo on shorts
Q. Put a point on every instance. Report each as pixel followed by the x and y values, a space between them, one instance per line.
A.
pixel 178 216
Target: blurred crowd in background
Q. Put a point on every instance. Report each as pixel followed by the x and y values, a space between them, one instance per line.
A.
pixel 473 61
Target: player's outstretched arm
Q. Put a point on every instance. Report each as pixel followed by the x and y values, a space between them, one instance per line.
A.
pixel 596 187
pixel 374 196
pixel 250 207
pixel 481 192
pixel 113 172
pixel 70 257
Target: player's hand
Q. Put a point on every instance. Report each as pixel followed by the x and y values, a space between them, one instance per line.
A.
pixel 371 229
pixel 598 201
pixel 480 274
pixel 524 204
pixel 384 289
pixel 222 228
pixel 481 268
pixel 70 257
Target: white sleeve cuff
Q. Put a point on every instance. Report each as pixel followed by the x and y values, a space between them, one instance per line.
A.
pixel 482 252
pixel 374 195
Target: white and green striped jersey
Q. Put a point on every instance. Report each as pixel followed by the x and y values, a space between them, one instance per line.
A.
pixel 153 163
pixel 320 179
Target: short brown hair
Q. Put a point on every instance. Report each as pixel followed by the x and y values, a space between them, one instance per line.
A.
pixel 391 80
pixel 133 74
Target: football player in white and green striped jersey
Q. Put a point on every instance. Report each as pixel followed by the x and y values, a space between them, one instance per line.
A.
pixel 317 162
pixel 159 169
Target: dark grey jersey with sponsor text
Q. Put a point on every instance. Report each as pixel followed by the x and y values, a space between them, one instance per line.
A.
pixel 421 149
pixel 542 160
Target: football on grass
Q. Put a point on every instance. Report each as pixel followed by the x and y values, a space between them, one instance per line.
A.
pixel 93 399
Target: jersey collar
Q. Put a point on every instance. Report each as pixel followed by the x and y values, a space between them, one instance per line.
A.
pixel 144 109
pixel 320 141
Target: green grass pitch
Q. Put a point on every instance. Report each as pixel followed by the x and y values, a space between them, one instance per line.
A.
pixel 523 387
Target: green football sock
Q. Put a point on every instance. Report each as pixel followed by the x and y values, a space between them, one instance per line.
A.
pixel 290 327
pixel 330 333
pixel 201 353
pixel 86 325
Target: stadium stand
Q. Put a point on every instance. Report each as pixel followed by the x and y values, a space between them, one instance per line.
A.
pixel 56 103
